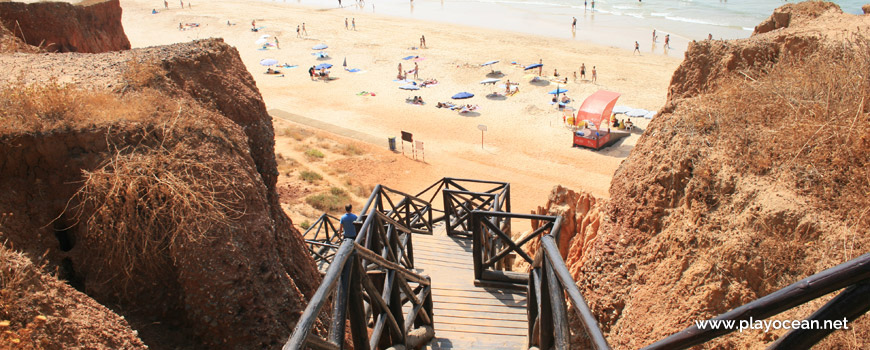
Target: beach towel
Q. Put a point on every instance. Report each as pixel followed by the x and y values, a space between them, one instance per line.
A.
pixel 404 81
pixel 353 70
pixel 365 93
pixel 418 59
pixel 410 57
pixel 289 66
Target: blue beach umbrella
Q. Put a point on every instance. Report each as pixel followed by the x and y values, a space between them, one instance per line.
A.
pixel 323 66
pixel 488 63
pixel 269 62
pixel 489 81
pixel 319 47
pixel 463 95
pixel 533 66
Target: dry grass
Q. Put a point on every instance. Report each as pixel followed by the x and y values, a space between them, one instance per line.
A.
pixel 310 176
pixel 145 201
pixel 140 74
pixel 350 150
pixel 804 121
pixel 332 201
pixel 50 106
pixel 297 134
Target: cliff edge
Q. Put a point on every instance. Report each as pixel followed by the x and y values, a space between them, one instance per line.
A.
pixel 753 176
pixel 90 26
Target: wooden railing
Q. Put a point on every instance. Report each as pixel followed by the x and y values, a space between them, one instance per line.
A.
pixel 459 201
pixel 382 255
pixel 494 250
pixel 549 282
pixel 851 303
pixel 322 239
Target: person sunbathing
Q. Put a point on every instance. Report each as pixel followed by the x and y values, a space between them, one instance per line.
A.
pixel 565 99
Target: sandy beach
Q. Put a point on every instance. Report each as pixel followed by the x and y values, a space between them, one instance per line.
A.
pixel 525 143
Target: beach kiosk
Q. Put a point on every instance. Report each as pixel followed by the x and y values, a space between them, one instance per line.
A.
pixel 593 114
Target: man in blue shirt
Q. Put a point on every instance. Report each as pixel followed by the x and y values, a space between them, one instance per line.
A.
pixel 347 222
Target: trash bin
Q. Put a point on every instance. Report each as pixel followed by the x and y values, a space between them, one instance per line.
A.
pixel 392 141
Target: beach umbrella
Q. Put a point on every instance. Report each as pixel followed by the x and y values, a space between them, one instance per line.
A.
pixel 489 81
pixel 488 63
pixel 269 62
pixel 558 91
pixel 621 109
pixel 649 115
pixel 409 87
pixel 637 112
pixel 319 47
pixel 262 41
pixel 323 66
pixel 533 66
pixel 463 95
pixel 320 54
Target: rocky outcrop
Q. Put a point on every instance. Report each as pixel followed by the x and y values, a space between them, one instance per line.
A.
pixel 41 312
pixel 866 9
pixel 232 274
pixel 731 193
pixel 581 216
pixel 787 14
pixel 90 26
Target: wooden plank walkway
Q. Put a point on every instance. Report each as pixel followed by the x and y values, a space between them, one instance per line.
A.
pixel 466 316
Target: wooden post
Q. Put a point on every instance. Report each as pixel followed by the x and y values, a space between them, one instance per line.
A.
pixel 546 315
pixel 477 244
pixel 532 305
pixel 339 306
pixel 356 311
pixel 557 305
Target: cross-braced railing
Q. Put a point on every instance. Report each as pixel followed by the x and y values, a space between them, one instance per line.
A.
pixel 408 210
pixel 462 196
pixel 851 303
pixel 369 281
pixel 494 250
pixel 322 239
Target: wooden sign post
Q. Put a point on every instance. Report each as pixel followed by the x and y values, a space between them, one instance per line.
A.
pixel 406 136
pixel 482 129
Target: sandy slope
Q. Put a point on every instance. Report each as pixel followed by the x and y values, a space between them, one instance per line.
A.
pixel 526 143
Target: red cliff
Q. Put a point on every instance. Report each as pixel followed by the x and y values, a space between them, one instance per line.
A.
pixel 91 26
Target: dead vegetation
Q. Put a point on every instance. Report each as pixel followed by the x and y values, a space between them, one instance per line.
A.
pixel 145 200
pixel 803 121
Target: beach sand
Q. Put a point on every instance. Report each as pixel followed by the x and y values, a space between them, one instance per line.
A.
pixel 526 142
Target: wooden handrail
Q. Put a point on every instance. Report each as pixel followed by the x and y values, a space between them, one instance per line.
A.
pixel 838 277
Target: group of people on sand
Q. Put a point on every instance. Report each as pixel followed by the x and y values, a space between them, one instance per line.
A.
pixel 315 74
pixel 404 74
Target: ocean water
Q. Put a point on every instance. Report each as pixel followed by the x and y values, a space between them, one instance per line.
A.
pixel 617 23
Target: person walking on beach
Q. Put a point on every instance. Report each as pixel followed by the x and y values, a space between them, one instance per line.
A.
pixel 345 24
pixel 583 71
pixel 574 24
pixel 667 41
pixel 710 36
pixel 422 41
pixel 277 46
pixel 165 4
pixel 416 70
pixel 654 36
pixel 182 3
pixel 353 23
pixel 401 73
pixel 304 32
pixel 636 47
pixel 593 5
pixel 339 3
pixel 347 222
pixel 584 5
pixel 311 72
pixel 594 75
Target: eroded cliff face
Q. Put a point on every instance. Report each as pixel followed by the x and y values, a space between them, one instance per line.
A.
pixel 166 153
pixel 90 26
pixel 753 176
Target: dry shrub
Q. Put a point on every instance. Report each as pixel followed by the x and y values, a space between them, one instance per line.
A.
pixel 350 150
pixel 803 120
pixel 49 106
pixel 332 201
pixel 141 74
pixel 145 201
pixel 297 134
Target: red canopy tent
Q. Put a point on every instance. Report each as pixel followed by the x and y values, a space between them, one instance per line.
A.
pixel 597 109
